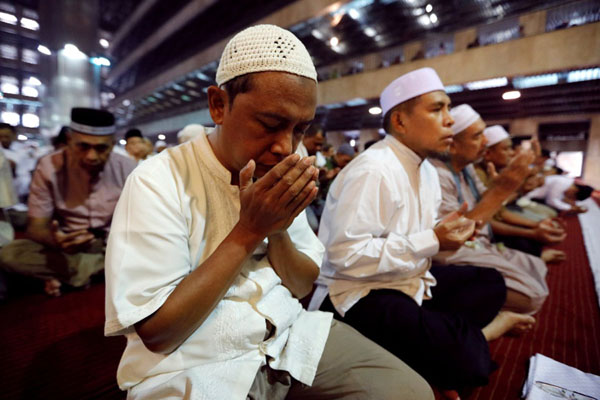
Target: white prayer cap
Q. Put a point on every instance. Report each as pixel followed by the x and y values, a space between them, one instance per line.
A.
pixel 408 86
pixel 189 132
pixel 463 116
pixel 263 48
pixel 495 134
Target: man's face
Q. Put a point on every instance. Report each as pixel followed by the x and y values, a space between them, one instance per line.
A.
pixel 6 137
pixel 89 151
pixel 469 145
pixel 500 154
pixel 342 160
pixel 264 124
pixel 314 143
pixel 425 127
pixel 136 147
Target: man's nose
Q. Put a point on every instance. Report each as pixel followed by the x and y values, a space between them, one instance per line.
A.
pixel 283 143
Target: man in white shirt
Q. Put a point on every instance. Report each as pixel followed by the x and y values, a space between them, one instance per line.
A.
pixel 380 230
pixel 206 290
pixel 524 274
pixel 561 192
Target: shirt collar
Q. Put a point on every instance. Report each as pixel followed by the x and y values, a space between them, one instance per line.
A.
pixel 403 150
pixel 210 158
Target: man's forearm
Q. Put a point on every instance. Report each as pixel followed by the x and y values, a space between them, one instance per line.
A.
pixel 488 206
pixel 296 270
pixel 197 294
pixel 516 219
pixel 502 228
pixel 43 236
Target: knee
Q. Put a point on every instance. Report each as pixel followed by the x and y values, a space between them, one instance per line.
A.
pixel 407 385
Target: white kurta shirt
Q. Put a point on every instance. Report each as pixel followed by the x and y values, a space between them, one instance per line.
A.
pixel 176 208
pixel 553 191
pixel 377 226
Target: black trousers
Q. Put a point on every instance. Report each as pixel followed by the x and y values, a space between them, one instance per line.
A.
pixel 525 245
pixel 442 339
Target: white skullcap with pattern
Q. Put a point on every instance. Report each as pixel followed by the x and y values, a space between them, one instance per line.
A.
pixel 263 48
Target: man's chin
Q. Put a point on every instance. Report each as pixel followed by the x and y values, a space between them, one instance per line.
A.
pixel 440 155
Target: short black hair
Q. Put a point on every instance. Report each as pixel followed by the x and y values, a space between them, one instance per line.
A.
pixel 406 106
pixel 61 138
pixel 313 129
pixel 133 133
pixel 4 125
pixel 583 192
pixel 239 84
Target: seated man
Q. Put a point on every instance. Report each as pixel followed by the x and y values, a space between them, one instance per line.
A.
pixel 210 251
pixel 516 229
pixel 524 274
pixel 380 230
pixel 71 202
pixel 562 193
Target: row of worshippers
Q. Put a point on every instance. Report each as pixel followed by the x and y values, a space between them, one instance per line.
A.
pixel 206 291
pixel 210 250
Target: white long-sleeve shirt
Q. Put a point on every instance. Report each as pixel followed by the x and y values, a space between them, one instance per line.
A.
pixel 553 191
pixel 175 210
pixel 377 226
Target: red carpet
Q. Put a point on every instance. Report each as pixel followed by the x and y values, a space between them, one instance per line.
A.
pixel 53 348
pixel 568 328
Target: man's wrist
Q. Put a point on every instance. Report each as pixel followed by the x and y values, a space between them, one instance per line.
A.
pixel 245 237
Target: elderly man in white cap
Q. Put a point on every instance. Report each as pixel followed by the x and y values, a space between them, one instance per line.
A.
pixel 517 228
pixel 380 230
pixel 207 290
pixel 73 194
pixel 524 274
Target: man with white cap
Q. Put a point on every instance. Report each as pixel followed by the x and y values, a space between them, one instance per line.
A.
pixel 380 229
pixel 73 194
pixel 207 290
pixel 517 229
pixel 524 274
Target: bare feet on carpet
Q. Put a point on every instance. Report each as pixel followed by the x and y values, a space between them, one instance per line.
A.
pixel 508 322
pixel 52 287
pixel 553 255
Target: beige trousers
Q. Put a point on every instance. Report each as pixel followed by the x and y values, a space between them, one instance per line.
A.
pixel 351 367
pixel 30 258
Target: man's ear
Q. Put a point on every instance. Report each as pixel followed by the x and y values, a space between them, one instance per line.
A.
pixel 397 122
pixel 218 101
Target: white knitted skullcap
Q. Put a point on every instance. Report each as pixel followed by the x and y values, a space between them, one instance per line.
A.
pixel 263 48
pixel 494 135
pixel 464 116
pixel 408 86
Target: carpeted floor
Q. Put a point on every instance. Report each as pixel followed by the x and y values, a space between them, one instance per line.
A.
pixel 568 328
pixel 54 348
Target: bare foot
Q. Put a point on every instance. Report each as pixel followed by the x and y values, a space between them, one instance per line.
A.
pixel 508 321
pixel 52 287
pixel 553 255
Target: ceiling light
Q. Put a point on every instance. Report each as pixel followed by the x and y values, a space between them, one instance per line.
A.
pixel 126 103
pixel 433 18
pixel 8 18
pixel 375 110
pixel 370 32
pixel 71 51
pixel 453 89
pixel 334 41
pixel 34 81
pixel 104 43
pixel 122 142
pixel 352 142
pixel 417 11
pixel 29 91
pixel 525 82
pixel 30 121
pixel 9 88
pixel 30 24
pixel 353 13
pixel 10 117
pixel 22 137
pixel 161 137
pixel 487 83
pixel 101 61
pixel 424 20
pixel 511 95
pixel 428 8
pixel 43 49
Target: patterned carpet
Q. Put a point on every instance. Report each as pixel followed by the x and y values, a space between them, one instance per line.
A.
pixel 53 348
pixel 568 328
